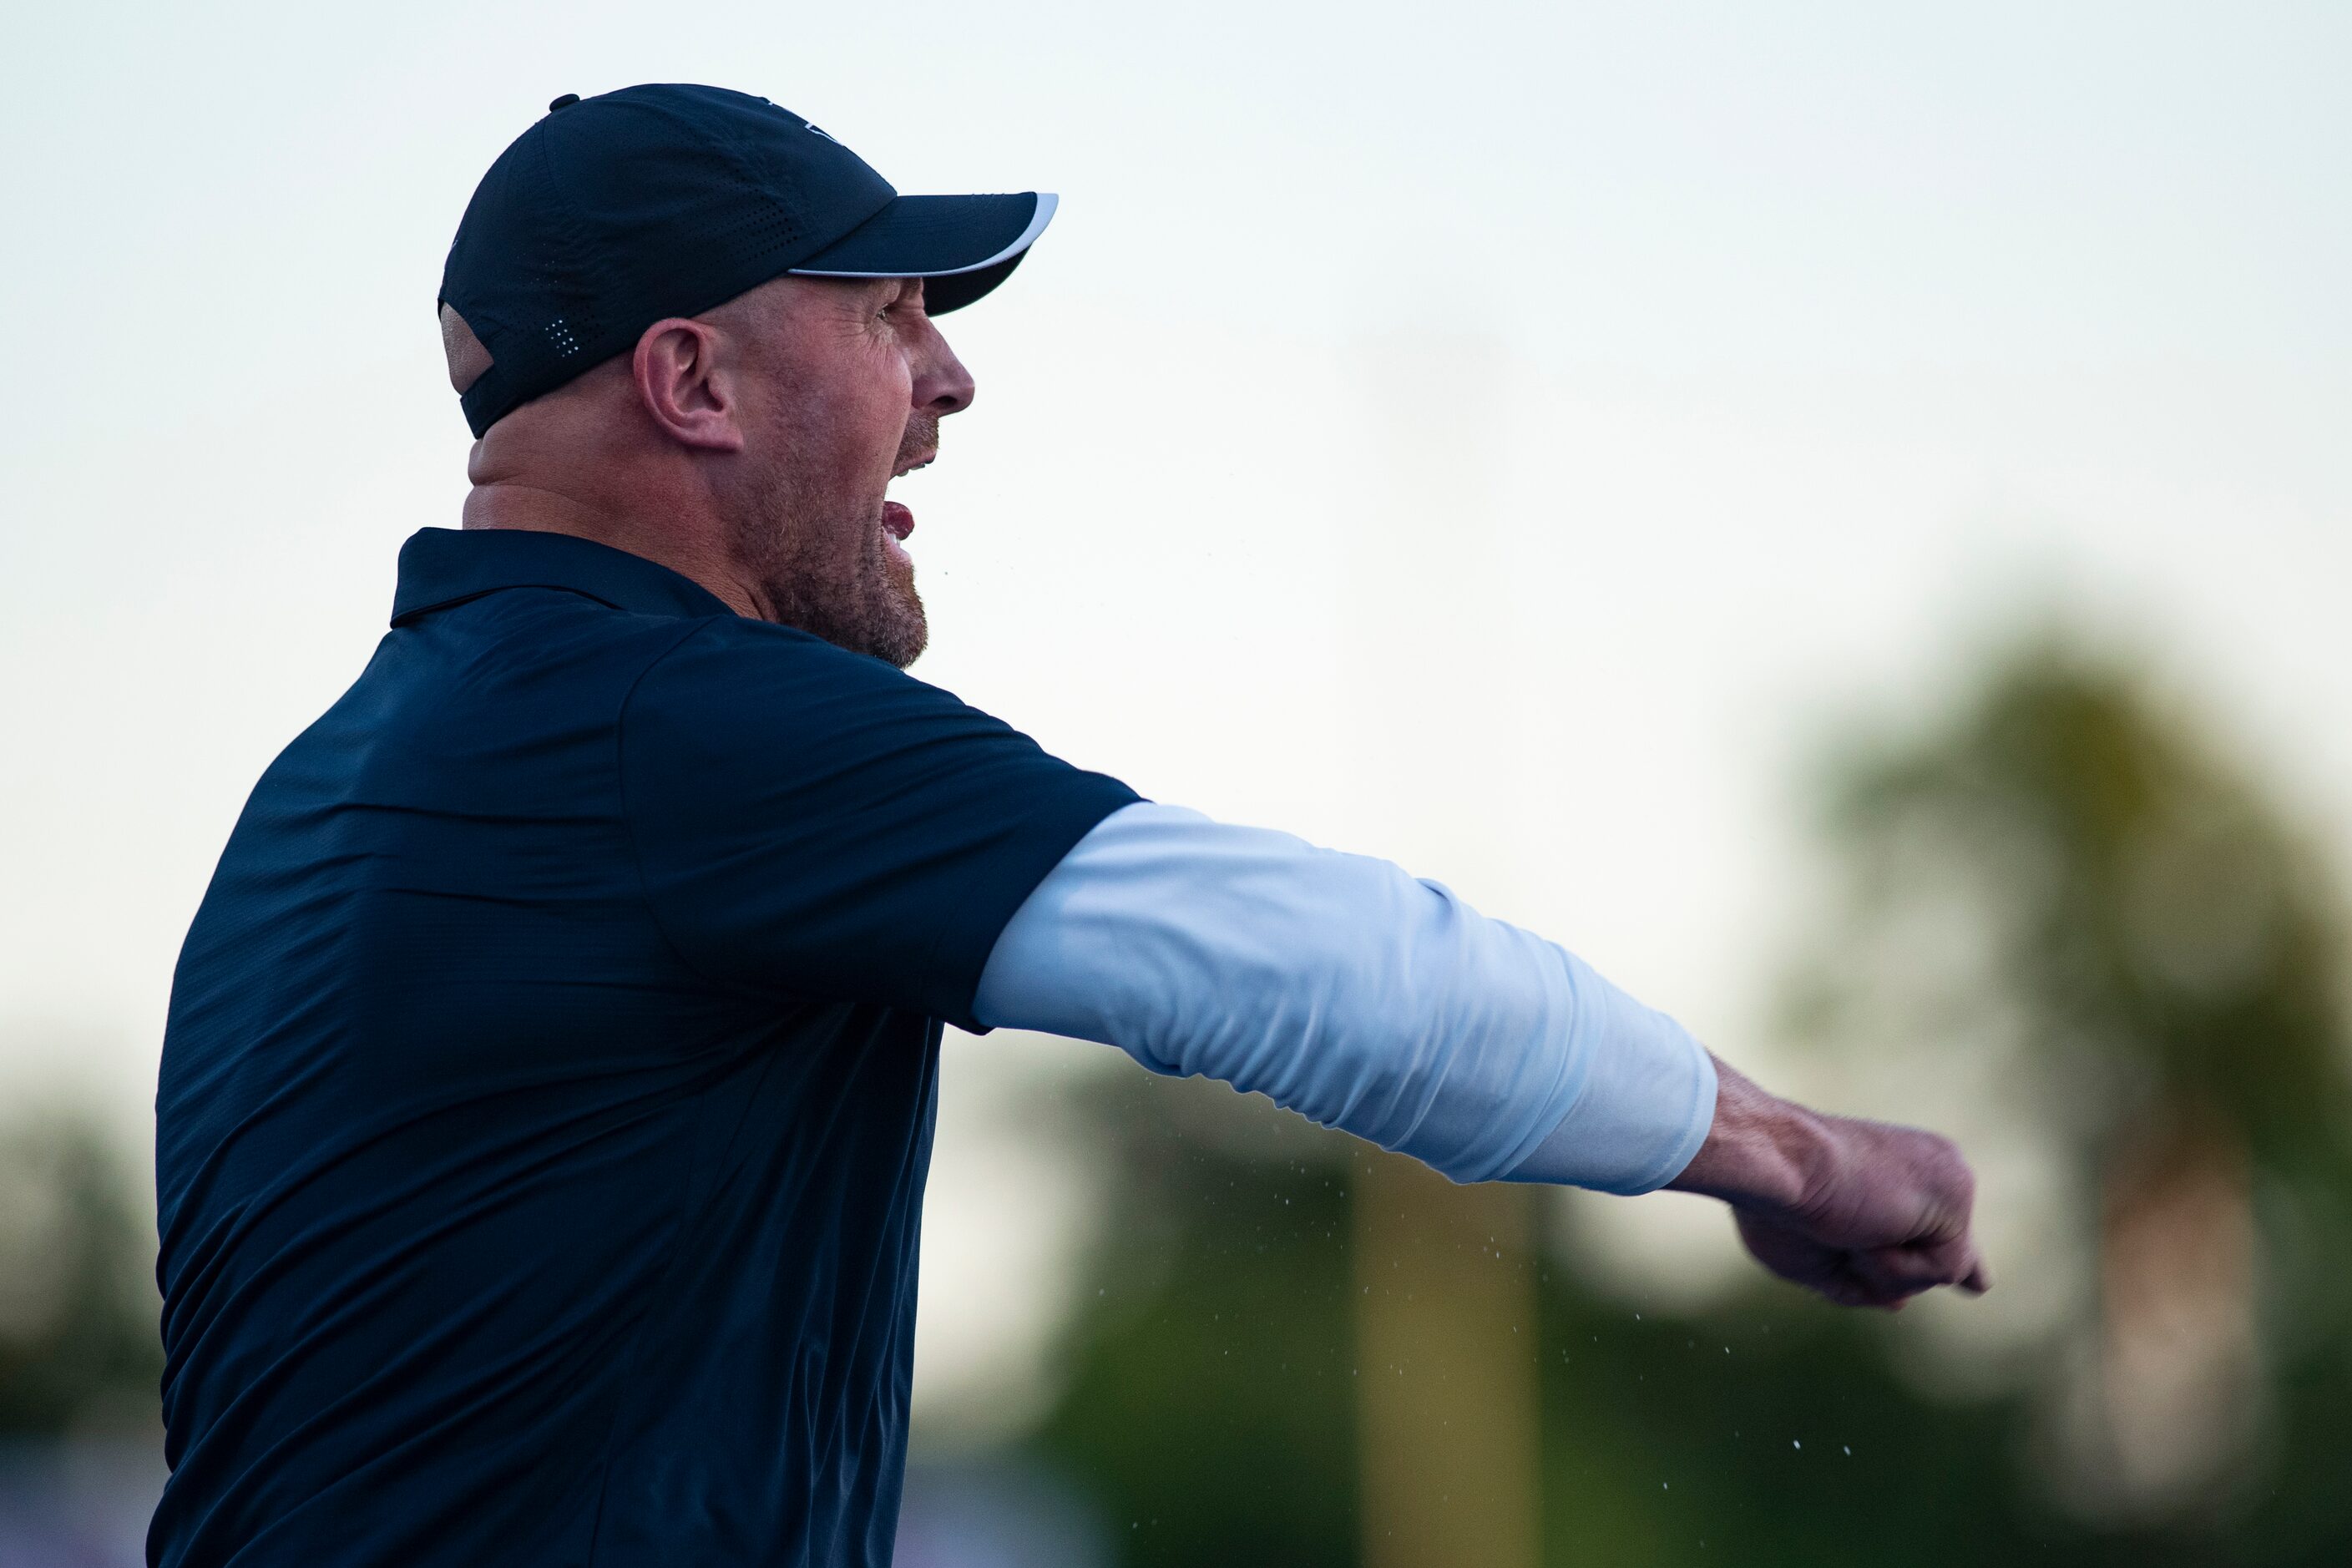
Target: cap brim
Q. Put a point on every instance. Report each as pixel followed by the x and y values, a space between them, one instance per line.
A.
pixel 961 247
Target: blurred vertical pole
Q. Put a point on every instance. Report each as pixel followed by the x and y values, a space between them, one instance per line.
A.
pixel 1447 1419
pixel 1447 1416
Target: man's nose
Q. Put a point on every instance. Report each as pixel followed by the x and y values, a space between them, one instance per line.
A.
pixel 943 386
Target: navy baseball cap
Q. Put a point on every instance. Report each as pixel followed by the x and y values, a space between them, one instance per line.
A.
pixel 616 211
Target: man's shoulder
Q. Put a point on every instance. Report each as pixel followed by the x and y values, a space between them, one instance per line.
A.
pixel 524 649
pixel 751 707
pixel 743 639
pixel 734 664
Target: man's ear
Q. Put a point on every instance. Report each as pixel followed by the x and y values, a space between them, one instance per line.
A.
pixel 683 386
pixel 467 356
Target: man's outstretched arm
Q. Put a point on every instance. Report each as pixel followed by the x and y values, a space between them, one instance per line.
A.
pixel 1344 989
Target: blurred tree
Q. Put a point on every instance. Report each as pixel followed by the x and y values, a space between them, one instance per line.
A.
pixel 78 1342
pixel 2065 875
pixel 1213 1394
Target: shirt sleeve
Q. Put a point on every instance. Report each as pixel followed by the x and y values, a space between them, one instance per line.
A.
pixel 1344 989
pixel 813 821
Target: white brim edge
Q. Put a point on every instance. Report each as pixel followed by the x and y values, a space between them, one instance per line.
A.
pixel 1046 202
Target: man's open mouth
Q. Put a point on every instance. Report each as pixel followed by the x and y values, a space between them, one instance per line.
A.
pixel 897 522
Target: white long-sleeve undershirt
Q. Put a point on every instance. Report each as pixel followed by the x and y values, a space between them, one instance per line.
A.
pixel 1346 990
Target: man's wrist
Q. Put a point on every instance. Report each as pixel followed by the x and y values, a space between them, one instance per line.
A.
pixel 1762 1152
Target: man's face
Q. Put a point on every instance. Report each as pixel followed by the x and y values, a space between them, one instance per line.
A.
pixel 845 384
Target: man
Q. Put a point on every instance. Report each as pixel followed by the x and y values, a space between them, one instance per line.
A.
pixel 548 1089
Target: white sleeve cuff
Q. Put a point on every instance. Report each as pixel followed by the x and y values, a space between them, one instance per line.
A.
pixel 1647 1103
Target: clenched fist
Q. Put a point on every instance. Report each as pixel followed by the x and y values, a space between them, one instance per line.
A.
pixel 1867 1214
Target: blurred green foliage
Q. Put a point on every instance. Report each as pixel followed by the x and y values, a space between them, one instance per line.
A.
pixel 2158 951
pixel 79 1346
pixel 1211 1402
pixel 1209 1409
pixel 2165 944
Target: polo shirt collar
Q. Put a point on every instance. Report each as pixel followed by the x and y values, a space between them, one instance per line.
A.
pixel 444 566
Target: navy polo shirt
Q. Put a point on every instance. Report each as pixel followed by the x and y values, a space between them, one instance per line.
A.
pixel 548 1087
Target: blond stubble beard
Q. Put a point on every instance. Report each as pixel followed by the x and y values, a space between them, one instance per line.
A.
pixel 834 576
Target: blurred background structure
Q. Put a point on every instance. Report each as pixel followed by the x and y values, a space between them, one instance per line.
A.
pixel 1840 516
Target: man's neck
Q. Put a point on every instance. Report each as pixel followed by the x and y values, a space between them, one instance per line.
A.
pixel 696 553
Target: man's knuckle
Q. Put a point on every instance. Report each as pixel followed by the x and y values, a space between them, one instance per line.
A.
pixel 1942 1163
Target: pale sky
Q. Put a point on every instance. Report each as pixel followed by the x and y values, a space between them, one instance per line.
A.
pixel 1503 437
